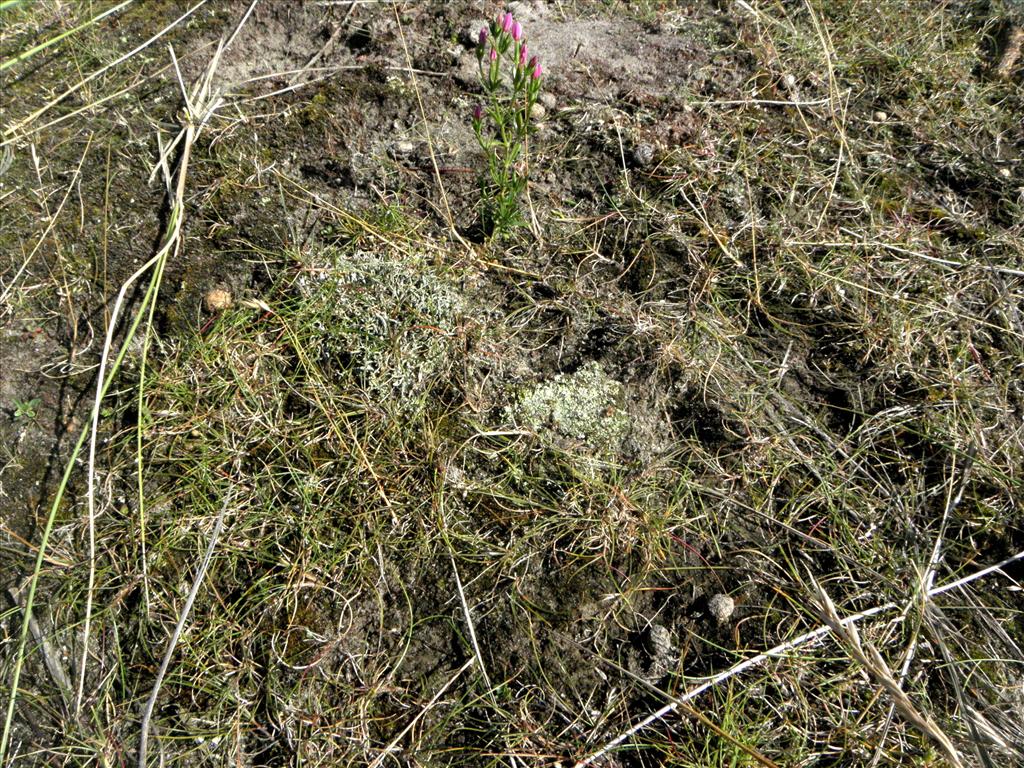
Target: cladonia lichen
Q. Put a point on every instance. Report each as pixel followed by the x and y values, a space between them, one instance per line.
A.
pixel 390 322
pixel 585 406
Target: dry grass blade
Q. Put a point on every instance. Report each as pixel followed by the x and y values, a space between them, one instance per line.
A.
pixel 778 651
pixel 25 126
pixel 186 609
pixel 871 660
pixel 203 103
pixel 764 294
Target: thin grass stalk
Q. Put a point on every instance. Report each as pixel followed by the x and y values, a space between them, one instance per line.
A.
pixel 186 610
pixel 19 657
pixel 201 104
pixel 171 242
pixel 24 55
pixel 10 133
pixel 776 652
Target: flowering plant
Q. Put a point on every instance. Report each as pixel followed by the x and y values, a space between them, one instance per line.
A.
pixel 511 81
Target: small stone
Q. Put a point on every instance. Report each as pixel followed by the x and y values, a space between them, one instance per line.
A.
pixel 404 148
pixel 537 111
pixel 523 11
pixel 1005 173
pixel 789 81
pixel 721 607
pixel 880 116
pixel 660 642
pixel 470 35
pixel 547 99
pixel 643 154
pixel 217 300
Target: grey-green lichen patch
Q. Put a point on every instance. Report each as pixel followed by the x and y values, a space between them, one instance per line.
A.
pixel 389 320
pixel 584 407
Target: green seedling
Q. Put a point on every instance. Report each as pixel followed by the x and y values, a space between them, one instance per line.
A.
pixel 26 409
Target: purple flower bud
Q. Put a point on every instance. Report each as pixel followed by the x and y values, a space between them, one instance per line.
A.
pixel 493 55
pixel 537 70
pixel 506 23
pixel 522 55
pixel 478 113
pixel 517 30
pixel 482 38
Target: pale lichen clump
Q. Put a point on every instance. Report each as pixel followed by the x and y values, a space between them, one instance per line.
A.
pixel 388 321
pixel 584 407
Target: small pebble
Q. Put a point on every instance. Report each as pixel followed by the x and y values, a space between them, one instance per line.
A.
pixel 789 82
pixel 547 99
pixel 217 300
pixel 880 116
pixel 660 641
pixel 721 607
pixel 537 111
pixel 404 148
pixel 643 154
pixel 1005 173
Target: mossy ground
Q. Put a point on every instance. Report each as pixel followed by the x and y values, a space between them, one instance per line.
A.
pixel 765 325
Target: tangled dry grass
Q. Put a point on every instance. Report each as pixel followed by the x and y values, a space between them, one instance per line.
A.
pixel 412 500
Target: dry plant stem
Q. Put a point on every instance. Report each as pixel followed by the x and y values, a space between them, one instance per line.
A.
pixel 871 660
pixel 50 658
pixel 186 609
pixel 200 106
pixel 171 243
pixel 11 133
pixel 430 704
pixel 953 499
pixel 690 711
pixel 57 38
pixel 469 626
pixel 776 652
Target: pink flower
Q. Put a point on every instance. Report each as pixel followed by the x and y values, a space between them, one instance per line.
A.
pixel 506 23
pixel 522 55
pixel 482 38
pixel 537 70
pixel 493 56
pixel 517 30
pixel 478 113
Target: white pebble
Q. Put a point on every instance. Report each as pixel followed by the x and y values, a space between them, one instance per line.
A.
pixel 721 607
pixel 217 300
